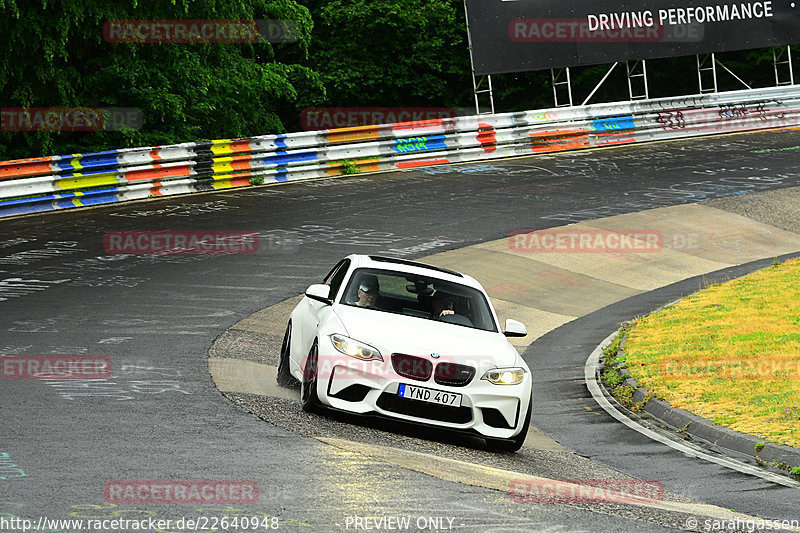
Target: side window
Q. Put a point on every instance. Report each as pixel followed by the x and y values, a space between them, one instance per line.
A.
pixel 336 276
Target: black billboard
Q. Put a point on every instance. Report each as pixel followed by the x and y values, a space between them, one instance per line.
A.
pixel 524 35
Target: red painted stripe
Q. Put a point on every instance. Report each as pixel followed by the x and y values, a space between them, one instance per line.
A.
pixel 412 164
pixel 487 137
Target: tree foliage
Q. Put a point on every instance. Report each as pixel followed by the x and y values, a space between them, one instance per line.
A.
pixel 55 55
pixel 387 52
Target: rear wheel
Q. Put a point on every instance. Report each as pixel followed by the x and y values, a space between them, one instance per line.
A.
pixel 308 390
pixel 514 443
pixel 284 377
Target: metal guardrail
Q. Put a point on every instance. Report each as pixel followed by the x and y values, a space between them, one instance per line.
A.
pixel 77 180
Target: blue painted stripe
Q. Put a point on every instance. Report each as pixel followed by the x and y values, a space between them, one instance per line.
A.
pixel 280 141
pixel 282 175
pixel 66 165
pixel 420 144
pixel 47 198
pixel 93 199
pixel 68 196
pixel 283 158
pixel 25 209
pixel 613 123
pixel 101 159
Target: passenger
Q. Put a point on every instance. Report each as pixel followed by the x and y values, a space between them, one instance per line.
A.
pixel 442 305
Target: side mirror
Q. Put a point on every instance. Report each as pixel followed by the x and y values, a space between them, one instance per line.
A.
pixel 319 292
pixel 515 328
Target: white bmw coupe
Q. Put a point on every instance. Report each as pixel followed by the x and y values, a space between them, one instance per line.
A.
pixel 408 341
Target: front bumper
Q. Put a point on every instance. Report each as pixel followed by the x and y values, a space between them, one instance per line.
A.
pixel 371 387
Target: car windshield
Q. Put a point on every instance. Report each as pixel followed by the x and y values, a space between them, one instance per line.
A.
pixel 424 297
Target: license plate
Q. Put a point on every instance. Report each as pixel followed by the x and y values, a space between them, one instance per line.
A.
pixel 429 395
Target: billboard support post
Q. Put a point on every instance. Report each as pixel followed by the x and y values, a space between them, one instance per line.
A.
pixel 702 67
pixel 708 64
pixel 781 56
pixel 729 71
pixel 561 78
pixel 635 74
pixel 597 87
pixel 476 84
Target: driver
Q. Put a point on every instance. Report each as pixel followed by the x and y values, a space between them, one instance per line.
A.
pixel 368 291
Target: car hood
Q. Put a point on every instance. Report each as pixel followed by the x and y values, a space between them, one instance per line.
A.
pixel 394 333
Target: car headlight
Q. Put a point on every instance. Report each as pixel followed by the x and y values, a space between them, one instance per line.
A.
pixel 505 376
pixel 354 348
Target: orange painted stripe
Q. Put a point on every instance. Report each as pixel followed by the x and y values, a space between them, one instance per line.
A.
pixel 345 135
pixel 155 155
pixel 240 182
pixel 24 169
pixel 560 146
pixel 156 189
pixel 244 164
pixel 158 172
pixel 370 167
pixel 240 146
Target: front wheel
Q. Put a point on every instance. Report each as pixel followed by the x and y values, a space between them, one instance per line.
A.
pixel 514 443
pixel 284 377
pixel 308 389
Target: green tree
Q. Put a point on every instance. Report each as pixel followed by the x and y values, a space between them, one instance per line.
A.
pixel 391 53
pixel 55 54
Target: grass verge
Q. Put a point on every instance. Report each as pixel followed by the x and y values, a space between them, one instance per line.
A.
pixel 730 353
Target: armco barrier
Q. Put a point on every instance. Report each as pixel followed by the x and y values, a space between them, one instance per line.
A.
pixel 57 182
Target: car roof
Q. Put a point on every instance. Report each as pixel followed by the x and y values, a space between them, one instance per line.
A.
pixel 412 267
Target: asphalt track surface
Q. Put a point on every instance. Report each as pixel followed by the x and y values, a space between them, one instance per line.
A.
pixel 159 416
